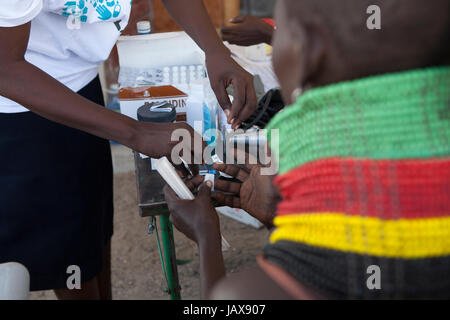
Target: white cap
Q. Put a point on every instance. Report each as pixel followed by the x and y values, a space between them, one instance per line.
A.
pixel 14 281
pixel 143 27
pixel 114 87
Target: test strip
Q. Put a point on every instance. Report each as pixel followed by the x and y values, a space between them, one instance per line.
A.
pixel 169 174
pixel 210 177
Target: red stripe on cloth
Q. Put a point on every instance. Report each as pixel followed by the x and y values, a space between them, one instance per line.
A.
pixel 387 189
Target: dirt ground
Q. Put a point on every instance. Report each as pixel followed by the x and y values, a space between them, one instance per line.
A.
pixel 136 268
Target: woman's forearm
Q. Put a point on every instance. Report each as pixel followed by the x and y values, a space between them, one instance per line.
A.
pixel 223 70
pixel 193 17
pixel 31 87
pixel 212 267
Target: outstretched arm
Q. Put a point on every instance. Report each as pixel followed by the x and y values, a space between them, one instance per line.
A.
pixel 247 31
pixel 198 220
pixel 222 69
pixel 31 87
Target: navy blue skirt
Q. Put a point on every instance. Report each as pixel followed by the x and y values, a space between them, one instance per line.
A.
pixel 56 196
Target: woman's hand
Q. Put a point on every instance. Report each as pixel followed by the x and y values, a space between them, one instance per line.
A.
pixel 247 31
pixel 256 193
pixel 223 71
pixel 197 218
pixel 155 140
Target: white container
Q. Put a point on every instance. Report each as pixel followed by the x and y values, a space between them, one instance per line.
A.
pixel 257 52
pixel 240 216
pixel 14 281
pixel 194 106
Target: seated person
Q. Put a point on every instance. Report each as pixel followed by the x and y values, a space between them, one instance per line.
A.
pixel 248 30
pixel 364 166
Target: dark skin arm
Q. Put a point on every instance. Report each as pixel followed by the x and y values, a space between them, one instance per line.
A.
pixel 247 31
pixel 222 69
pixel 255 193
pixel 198 220
pixel 33 88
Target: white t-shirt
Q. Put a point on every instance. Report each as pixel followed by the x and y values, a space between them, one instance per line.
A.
pixel 69 39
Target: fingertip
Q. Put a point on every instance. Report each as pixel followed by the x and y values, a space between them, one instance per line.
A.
pixel 208 184
pixel 166 191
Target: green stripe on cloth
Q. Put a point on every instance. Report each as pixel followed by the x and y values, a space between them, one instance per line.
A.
pixel 393 116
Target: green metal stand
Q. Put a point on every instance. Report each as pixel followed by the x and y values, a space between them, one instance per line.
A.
pixel 167 254
pixel 170 257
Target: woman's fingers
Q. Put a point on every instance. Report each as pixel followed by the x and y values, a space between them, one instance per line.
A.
pixel 227 186
pixel 232 170
pixel 182 171
pixel 239 102
pixel 169 194
pixel 220 90
pixel 204 192
pixel 193 183
pixel 238 19
pixel 243 156
pixel 227 199
pixel 251 103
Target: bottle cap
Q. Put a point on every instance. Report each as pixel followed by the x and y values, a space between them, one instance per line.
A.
pixel 157 112
pixel 114 87
pixel 143 27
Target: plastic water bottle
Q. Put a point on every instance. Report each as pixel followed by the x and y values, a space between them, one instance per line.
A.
pixel 210 112
pixel 112 100
pixel 144 27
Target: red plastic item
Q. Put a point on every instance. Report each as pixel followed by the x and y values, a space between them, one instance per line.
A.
pixel 386 189
pixel 270 21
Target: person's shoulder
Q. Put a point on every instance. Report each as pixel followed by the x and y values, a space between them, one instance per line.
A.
pixel 14 13
pixel 251 284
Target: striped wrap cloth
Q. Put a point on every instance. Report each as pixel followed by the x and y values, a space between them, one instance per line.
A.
pixel 365 180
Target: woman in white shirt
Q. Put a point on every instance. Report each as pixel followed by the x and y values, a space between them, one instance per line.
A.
pixel 55 164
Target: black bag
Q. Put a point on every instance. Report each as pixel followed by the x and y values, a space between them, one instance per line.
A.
pixel 269 105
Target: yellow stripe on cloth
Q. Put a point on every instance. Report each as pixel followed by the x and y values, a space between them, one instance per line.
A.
pixel 402 238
